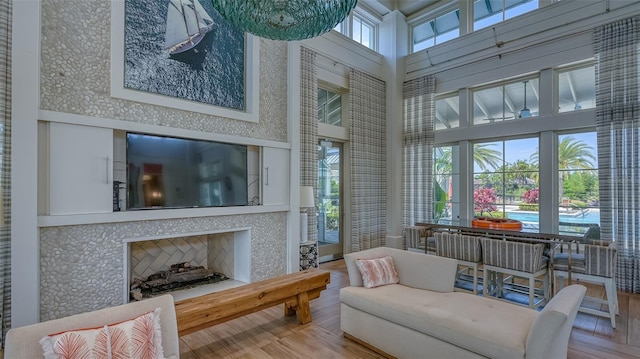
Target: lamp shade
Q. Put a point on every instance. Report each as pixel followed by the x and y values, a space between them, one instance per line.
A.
pixel 285 19
pixel 306 197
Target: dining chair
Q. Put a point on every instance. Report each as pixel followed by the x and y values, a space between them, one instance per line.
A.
pixel 420 239
pixel 596 264
pixel 514 258
pixel 465 248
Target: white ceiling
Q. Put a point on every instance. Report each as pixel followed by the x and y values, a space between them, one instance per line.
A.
pixel 406 7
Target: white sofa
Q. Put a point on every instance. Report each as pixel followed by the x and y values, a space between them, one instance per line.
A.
pixel 23 342
pixel 422 317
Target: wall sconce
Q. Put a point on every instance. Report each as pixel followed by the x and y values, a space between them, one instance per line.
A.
pixel 306 201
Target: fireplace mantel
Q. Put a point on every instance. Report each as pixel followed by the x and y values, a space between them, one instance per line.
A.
pixel 149 215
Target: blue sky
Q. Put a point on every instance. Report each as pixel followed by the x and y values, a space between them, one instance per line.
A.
pixel 522 149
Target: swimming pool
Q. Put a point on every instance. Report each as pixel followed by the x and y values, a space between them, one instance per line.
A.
pixel 589 217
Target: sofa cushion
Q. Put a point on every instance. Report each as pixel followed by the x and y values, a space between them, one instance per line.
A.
pixel 485 326
pixel 377 271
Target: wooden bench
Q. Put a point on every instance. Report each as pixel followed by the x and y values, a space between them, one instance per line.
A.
pixel 294 290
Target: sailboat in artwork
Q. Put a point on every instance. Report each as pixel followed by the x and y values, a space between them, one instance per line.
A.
pixel 187 24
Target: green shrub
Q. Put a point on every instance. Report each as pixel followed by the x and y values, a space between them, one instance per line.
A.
pixel 492 214
pixel 534 207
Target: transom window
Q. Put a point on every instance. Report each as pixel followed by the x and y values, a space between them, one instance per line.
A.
pixel 364 31
pixel 489 12
pixel 360 28
pixel 436 31
pixel 506 102
pixel 576 88
pixel 329 107
pixel 447 112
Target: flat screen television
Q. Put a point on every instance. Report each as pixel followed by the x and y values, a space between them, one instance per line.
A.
pixel 171 172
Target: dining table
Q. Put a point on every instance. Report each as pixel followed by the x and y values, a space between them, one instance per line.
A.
pixel 553 242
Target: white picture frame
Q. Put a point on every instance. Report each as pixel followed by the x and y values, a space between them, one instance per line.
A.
pixel 118 89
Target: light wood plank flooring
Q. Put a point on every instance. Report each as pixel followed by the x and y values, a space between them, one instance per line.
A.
pixel 269 334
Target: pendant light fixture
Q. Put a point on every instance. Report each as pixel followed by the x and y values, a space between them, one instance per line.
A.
pixel 525 112
pixel 285 19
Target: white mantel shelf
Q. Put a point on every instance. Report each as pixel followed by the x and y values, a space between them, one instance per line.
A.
pixel 154 214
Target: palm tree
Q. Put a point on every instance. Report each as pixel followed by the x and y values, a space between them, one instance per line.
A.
pixel 572 155
pixel 482 156
pixel 485 157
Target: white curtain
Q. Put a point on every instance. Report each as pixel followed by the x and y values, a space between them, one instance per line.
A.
pixel 417 157
pixel 367 99
pixel 309 131
pixel 5 166
pixel 618 127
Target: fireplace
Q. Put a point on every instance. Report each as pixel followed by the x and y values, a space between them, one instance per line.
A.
pixel 226 253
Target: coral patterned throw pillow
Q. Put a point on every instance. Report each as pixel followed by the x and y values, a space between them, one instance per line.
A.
pixel 137 338
pixel 377 271
pixel 83 343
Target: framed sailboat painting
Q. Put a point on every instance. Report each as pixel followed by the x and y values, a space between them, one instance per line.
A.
pixel 183 54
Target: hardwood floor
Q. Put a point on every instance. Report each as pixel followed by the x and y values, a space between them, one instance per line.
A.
pixel 269 334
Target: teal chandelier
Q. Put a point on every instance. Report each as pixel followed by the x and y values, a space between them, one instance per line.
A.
pixel 285 19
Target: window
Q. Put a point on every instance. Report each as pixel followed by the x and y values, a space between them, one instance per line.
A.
pixel 506 102
pixel 329 107
pixel 446 178
pixel 578 184
pixel 504 171
pixel 505 180
pixel 576 88
pixel 489 12
pixel 447 112
pixel 359 28
pixel 364 32
pixel 436 31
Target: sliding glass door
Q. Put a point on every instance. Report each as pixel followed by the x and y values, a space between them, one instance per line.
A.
pixel 330 203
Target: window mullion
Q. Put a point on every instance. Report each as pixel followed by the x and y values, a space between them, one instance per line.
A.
pixel 548 181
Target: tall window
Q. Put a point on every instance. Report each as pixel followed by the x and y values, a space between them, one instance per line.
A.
pixel 511 173
pixel 446 200
pixel 329 107
pixel 505 180
pixel 489 12
pixel 506 102
pixel 576 88
pixel 578 183
pixel 436 31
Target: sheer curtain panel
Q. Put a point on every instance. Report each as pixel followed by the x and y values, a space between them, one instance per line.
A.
pixel 417 157
pixel 618 127
pixel 368 115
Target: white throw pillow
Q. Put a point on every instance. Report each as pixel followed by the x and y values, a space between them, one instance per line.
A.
pixel 377 271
